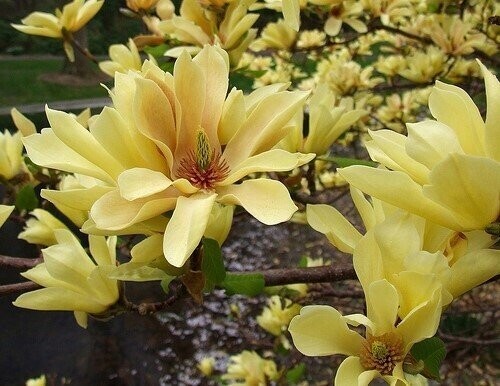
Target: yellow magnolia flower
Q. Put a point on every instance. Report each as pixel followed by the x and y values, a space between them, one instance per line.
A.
pixel 5 211
pixel 447 170
pixel 422 67
pixel 342 11
pixel 74 281
pixel 197 26
pixel 40 230
pixel 123 59
pixel 206 366
pixel 175 142
pixel 40 381
pixel 71 19
pixel 277 315
pixel 275 35
pixel 388 10
pixel 11 155
pixel 322 330
pixel 249 369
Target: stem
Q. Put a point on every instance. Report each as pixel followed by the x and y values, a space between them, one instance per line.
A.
pixel 19 262
pixel 325 274
pixel 8 289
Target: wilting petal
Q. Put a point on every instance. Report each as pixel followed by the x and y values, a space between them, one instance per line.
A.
pixel 468 186
pixel 139 183
pixel 398 189
pixel 474 269
pixel 329 221
pixel 273 160
pixel 322 330
pixel 267 200
pixel 186 227
pixel 352 373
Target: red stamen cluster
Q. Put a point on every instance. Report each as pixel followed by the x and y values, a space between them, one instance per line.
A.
pixel 203 178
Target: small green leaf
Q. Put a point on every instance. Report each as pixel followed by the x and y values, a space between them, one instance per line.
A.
pixel 303 262
pixel 343 162
pixel 26 198
pixel 296 373
pixel 250 284
pixel 156 51
pixel 212 264
pixel 432 352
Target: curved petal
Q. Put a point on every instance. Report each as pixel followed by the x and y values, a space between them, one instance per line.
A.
pixel 382 304
pixel 23 124
pixel 329 221
pixel 398 189
pixel 352 373
pixel 273 160
pixel 186 227
pixel 148 249
pixel 473 269
pixel 267 200
pixel 468 186
pixel 333 26
pixel 5 211
pixel 291 13
pixel 139 183
pixel 322 330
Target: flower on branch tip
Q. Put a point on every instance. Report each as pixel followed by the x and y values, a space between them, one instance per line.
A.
pixel 381 353
pixel 73 280
pixel 175 143
pixel 41 227
pixel 249 368
pixel 446 170
pixel 277 315
pixel 123 59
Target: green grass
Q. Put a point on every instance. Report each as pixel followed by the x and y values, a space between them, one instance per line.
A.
pixel 20 84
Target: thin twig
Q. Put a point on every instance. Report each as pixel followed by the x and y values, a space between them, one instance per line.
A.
pixel 8 289
pixel 325 274
pixel 463 339
pixel 19 262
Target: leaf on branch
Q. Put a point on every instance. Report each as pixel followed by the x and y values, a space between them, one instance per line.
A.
pixel 212 264
pixel 432 352
pixel 26 198
pixel 246 284
pixel 295 374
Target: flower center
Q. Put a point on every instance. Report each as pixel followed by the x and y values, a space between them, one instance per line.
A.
pixel 203 167
pixel 382 353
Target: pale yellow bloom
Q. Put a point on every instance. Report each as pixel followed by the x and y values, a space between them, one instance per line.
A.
pixel 311 38
pixel 23 124
pixel 446 170
pixel 40 381
pixel 11 155
pixel 73 280
pixel 206 366
pixel 390 65
pixel 197 26
pixel 72 18
pixel 40 230
pixel 141 5
pixel 322 330
pixel 277 315
pixel 5 211
pixel 422 67
pixel 176 142
pixel 249 369
pixel 275 35
pixel 342 11
pixel 388 10
pixel 123 59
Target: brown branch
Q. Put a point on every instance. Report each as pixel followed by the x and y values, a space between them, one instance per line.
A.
pixel 8 289
pixel 176 290
pixel 325 274
pixel 463 339
pixel 19 262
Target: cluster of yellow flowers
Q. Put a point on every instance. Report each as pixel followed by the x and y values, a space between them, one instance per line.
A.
pixel 433 196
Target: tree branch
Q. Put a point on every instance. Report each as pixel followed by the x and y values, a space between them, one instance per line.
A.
pixel 325 274
pixel 19 262
pixel 8 289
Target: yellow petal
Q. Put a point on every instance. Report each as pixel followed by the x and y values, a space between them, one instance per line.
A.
pixel 139 183
pixel 329 221
pixel 321 330
pixel 186 227
pixel 291 13
pixel 352 373
pixel 148 249
pixel 469 187
pixel 5 211
pixel 232 117
pixel 382 303
pixel 271 160
pixel 103 252
pixel 474 269
pixel 333 26
pixel 23 124
pixel 267 200
pixel 364 207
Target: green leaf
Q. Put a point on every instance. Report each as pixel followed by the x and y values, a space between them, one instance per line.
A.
pixel 26 198
pixel 212 264
pixel 137 272
pixel 296 373
pixel 343 162
pixel 249 284
pixel 156 51
pixel 432 352
pixel 303 262
pixel 165 283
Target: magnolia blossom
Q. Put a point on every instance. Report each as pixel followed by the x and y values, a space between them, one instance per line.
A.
pixel 175 142
pixel 11 155
pixel 275 35
pixel 278 313
pixel 322 330
pixel 40 229
pixel 248 368
pixel 447 170
pixel 71 19
pixel 73 280
pixel 123 59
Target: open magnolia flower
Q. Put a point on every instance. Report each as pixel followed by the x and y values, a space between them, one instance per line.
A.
pixel 123 59
pixel 382 353
pixel 71 19
pixel 74 281
pixel 446 170
pixel 175 142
